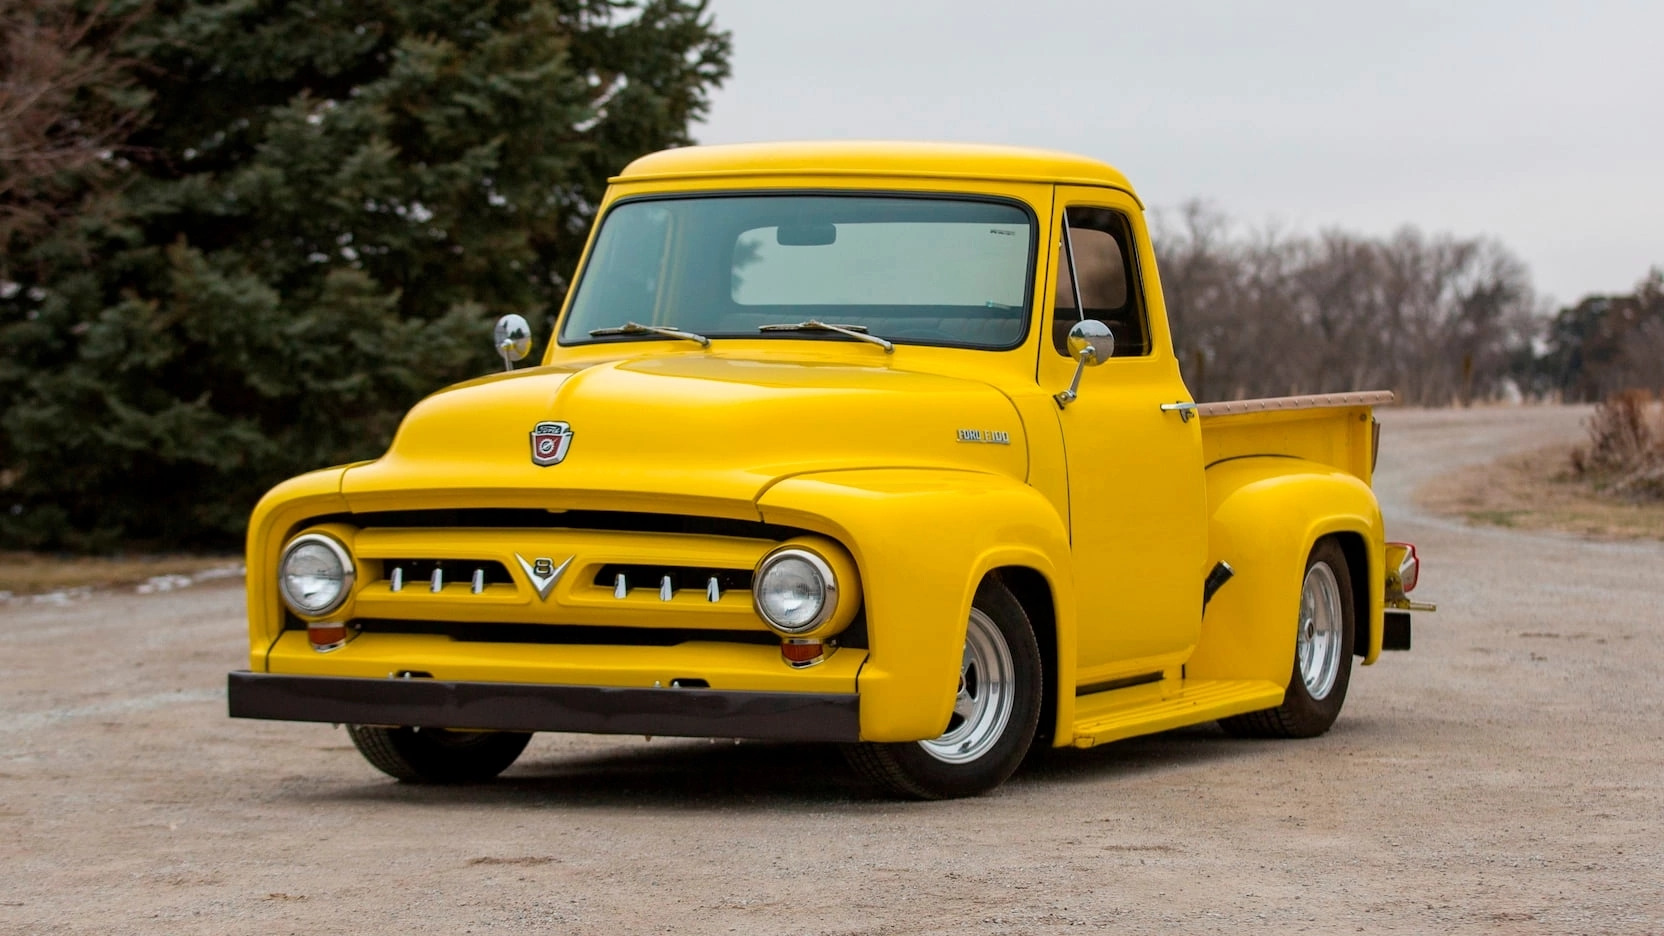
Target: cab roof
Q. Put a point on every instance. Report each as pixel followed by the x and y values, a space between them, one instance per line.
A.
pixel 875 158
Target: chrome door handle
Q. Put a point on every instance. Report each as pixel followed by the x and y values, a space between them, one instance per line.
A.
pixel 1185 410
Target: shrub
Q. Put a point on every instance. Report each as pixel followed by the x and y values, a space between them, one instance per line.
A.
pixel 1625 452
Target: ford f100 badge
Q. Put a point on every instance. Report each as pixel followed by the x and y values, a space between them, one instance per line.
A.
pixel 550 440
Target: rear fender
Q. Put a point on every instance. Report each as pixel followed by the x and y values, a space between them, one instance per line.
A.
pixel 923 539
pixel 1265 514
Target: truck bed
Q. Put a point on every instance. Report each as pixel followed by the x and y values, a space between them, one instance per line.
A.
pixel 1328 428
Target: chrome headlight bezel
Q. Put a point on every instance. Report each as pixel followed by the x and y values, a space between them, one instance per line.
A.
pixel 821 568
pixel 342 556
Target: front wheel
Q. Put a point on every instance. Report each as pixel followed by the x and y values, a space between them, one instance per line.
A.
pixel 436 755
pixel 995 713
pixel 1323 643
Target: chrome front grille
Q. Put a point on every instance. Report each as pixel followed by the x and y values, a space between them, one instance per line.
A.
pixel 435 574
pixel 667 580
pixel 605 578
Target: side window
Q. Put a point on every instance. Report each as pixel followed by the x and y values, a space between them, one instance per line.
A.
pixel 1103 262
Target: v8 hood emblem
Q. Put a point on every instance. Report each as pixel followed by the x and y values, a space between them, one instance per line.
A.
pixel 543 573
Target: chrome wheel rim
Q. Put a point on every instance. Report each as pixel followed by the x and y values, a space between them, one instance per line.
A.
pixel 986 697
pixel 1318 644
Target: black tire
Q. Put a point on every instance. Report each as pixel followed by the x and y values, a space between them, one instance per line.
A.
pixel 909 769
pixel 435 755
pixel 1302 715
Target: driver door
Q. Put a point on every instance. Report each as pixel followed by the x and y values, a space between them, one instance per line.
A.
pixel 1137 502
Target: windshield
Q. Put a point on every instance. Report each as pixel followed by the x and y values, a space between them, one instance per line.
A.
pixel 914 270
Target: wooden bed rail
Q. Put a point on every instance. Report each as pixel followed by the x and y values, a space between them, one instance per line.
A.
pixel 1307 401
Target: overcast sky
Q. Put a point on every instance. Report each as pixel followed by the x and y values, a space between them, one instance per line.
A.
pixel 1540 123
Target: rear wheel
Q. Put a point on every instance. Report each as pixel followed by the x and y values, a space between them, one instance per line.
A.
pixel 995 713
pixel 436 755
pixel 1323 646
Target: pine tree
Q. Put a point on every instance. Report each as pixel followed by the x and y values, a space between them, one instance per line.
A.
pixel 325 205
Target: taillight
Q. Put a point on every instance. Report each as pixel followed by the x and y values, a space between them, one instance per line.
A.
pixel 1409 565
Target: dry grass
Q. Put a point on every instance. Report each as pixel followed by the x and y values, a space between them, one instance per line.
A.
pixel 1625 454
pixel 23 573
pixel 1537 491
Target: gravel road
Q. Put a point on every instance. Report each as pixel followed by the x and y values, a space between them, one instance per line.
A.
pixel 1502 777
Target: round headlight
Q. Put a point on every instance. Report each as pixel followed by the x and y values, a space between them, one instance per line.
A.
pixel 794 591
pixel 315 574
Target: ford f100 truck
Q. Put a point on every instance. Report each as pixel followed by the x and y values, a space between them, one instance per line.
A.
pixel 872 443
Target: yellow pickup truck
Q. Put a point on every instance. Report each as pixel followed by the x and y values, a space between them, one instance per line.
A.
pixel 871 443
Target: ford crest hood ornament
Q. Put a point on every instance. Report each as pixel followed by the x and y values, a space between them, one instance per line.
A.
pixel 550 441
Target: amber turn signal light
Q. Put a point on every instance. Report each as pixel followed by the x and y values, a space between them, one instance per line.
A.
pixel 799 653
pixel 326 635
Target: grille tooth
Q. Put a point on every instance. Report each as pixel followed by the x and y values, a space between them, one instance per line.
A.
pixel 438 580
pixel 398 578
pixel 666 590
pixel 620 586
pixel 713 591
pixel 478 584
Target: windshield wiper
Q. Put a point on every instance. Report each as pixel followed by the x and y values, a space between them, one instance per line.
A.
pixel 635 328
pixel 858 332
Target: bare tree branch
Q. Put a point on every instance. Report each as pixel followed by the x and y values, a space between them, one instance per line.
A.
pixel 66 103
pixel 1264 313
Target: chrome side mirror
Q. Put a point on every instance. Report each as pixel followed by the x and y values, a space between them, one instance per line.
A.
pixel 513 338
pixel 1090 343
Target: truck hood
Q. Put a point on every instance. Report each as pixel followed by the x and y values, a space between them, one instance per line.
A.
pixel 682 432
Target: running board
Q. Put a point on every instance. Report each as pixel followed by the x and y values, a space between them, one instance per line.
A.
pixel 1104 718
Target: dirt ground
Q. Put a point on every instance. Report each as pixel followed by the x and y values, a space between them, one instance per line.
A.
pixel 1503 777
pixel 1536 490
pixel 25 573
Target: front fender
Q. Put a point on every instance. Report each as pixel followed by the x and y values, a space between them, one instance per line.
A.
pixel 923 540
pixel 1265 513
pixel 275 517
